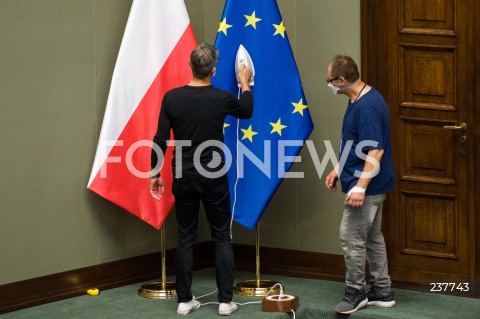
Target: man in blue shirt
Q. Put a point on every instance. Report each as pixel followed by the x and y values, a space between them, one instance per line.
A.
pixel 366 174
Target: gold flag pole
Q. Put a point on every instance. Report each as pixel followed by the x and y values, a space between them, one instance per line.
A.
pixel 163 289
pixel 258 287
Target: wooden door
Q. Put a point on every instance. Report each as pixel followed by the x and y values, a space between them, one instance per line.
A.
pixel 420 54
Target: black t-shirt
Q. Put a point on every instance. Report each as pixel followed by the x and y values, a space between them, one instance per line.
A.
pixel 197 114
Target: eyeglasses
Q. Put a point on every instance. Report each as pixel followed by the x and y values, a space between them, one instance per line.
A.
pixel 329 81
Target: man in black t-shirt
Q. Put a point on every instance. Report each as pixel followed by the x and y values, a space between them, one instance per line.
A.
pixel 196 114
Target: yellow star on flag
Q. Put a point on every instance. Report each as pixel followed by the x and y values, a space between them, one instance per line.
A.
pixel 248 133
pixel 279 29
pixel 225 125
pixel 252 20
pixel 223 26
pixel 299 107
pixel 277 127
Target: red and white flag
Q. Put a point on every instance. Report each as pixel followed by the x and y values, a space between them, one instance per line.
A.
pixel 153 59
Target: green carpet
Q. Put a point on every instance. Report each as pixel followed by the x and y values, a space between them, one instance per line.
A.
pixel 317 301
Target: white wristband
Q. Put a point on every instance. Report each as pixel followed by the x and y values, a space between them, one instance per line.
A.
pixel 357 189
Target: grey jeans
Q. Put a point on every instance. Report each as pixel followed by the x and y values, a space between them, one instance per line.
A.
pixel 362 241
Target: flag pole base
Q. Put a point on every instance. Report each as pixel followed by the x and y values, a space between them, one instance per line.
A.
pixel 161 289
pixel 256 288
pixel 158 290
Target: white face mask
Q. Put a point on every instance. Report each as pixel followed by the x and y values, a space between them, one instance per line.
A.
pixel 335 89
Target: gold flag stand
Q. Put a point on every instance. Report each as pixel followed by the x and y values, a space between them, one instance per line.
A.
pixel 256 287
pixel 163 289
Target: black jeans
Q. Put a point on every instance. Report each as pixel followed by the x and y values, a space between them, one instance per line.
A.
pixel 189 191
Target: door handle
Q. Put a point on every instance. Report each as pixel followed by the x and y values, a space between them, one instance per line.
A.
pixel 462 127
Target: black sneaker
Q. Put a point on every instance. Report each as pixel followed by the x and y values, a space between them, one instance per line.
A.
pixel 375 298
pixel 353 301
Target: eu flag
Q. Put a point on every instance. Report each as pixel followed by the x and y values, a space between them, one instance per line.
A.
pixel 263 148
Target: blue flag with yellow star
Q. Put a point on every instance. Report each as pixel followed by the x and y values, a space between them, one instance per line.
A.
pixel 264 147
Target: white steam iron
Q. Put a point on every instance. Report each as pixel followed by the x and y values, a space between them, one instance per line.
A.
pixel 244 58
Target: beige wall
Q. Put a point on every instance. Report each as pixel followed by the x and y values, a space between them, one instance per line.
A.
pixel 56 62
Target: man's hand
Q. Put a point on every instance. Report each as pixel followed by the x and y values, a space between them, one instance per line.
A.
pixel 155 184
pixel 356 197
pixel 244 75
pixel 331 181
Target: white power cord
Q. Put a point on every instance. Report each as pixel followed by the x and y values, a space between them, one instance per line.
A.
pixel 244 303
pixel 217 303
pixel 208 303
pixel 236 180
pixel 281 289
pixel 210 293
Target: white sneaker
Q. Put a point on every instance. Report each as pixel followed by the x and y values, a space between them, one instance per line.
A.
pixel 184 308
pixel 226 308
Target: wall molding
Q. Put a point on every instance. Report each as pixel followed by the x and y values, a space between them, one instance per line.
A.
pixel 293 263
pixel 46 289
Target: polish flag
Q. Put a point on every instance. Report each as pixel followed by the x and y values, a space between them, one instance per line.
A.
pixel 153 59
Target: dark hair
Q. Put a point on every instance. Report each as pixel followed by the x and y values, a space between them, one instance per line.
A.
pixel 203 59
pixel 345 66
